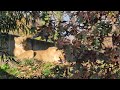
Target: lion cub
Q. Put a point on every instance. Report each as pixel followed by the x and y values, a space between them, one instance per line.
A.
pixel 22 51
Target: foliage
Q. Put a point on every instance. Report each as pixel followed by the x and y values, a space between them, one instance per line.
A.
pixel 46 71
pixel 27 62
pixel 89 29
pixel 6 68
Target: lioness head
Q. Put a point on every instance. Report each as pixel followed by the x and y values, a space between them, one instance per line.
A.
pixel 61 55
pixel 58 54
pixel 20 39
pixel 21 42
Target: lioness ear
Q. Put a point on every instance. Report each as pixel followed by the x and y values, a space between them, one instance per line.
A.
pixel 15 38
pixel 63 51
pixel 24 38
pixel 57 49
pixel 60 50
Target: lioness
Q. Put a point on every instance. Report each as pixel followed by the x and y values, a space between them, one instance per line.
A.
pixel 22 51
pixel 20 46
pixel 52 54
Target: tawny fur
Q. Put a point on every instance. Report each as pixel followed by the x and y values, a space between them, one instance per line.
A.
pixel 26 55
pixel 52 54
pixel 19 46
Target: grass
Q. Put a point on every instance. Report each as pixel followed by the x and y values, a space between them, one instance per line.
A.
pixel 28 62
pixel 7 72
pixel 88 69
pixel 46 70
pixel 5 67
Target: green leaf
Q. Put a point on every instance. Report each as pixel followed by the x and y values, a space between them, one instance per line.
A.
pixel 5 66
pixel 47 72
